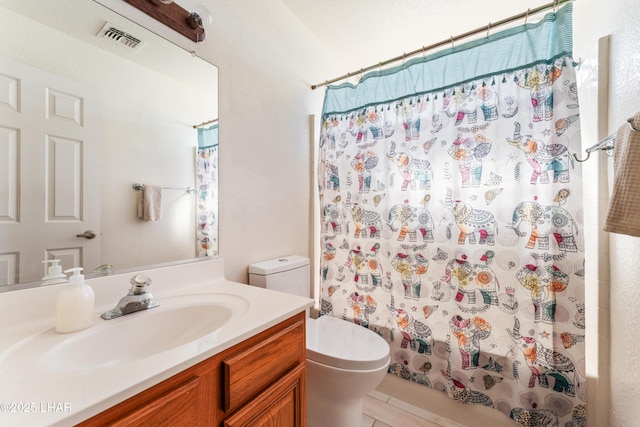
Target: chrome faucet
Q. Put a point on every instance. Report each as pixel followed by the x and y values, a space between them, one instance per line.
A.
pixel 136 300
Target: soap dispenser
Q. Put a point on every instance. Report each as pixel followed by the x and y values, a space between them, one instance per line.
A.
pixel 54 271
pixel 75 305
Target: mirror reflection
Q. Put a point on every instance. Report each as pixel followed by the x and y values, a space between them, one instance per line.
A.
pixel 92 104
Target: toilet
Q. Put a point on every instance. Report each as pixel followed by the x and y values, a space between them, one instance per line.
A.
pixel 344 361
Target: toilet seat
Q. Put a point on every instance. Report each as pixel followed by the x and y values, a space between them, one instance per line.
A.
pixel 343 344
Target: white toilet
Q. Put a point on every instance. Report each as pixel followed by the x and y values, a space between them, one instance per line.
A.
pixel 344 361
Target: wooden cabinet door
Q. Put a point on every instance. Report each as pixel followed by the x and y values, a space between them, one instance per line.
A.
pixel 265 359
pixel 177 407
pixel 281 405
pixel 181 405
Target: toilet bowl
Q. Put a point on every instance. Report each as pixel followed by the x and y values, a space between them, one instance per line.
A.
pixel 344 361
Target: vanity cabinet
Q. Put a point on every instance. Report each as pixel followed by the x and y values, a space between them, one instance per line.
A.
pixel 258 382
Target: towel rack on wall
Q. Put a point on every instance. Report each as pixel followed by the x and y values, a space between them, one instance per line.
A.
pixel 606 144
pixel 139 187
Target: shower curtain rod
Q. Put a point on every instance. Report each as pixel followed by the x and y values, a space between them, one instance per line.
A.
pixel 205 123
pixel 451 40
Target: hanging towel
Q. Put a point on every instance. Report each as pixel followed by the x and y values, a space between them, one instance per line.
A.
pixel 623 216
pixel 150 204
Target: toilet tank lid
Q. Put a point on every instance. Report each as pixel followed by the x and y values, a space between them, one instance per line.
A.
pixel 278 265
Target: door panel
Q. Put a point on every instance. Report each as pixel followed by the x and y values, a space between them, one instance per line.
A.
pixel 49 172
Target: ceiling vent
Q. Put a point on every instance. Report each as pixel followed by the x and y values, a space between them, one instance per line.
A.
pixel 109 31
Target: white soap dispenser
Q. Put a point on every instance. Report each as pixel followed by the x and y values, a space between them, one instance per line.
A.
pixel 54 271
pixel 75 305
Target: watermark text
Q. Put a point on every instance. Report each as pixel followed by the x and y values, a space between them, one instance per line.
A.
pixel 35 407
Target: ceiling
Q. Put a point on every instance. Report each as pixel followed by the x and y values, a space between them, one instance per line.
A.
pixel 362 33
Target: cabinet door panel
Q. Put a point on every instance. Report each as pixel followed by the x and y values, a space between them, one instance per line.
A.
pixel 281 405
pixel 176 407
pixel 249 372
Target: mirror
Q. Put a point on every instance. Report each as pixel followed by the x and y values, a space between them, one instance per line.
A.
pixel 91 103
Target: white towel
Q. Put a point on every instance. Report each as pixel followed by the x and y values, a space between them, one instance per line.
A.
pixel 150 204
pixel 623 216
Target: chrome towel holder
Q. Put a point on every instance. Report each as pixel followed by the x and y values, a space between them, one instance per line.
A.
pixel 140 187
pixel 606 144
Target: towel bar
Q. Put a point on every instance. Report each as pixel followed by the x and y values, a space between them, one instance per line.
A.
pixel 139 187
pixel 606 144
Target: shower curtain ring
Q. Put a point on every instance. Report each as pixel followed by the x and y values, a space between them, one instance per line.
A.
pixel 527 16
pixel 452 46
pixel 488 28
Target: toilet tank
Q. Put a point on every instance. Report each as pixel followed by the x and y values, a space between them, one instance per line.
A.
pixel 290 274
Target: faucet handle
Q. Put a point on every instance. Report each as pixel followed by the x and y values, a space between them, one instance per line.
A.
pixel 139 284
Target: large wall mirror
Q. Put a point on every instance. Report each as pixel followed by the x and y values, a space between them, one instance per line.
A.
pixel 85 115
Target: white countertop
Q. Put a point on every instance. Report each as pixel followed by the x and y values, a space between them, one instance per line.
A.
pixel 73 397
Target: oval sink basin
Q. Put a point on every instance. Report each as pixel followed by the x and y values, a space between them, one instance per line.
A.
pixel 177 322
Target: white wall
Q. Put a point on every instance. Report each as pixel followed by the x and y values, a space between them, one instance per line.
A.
pixel 617 309
pixel 267 62
pixel 624 101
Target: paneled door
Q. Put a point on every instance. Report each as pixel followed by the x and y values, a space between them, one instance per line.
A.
pixel 49 172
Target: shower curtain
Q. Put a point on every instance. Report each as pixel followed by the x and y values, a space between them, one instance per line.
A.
pixel 452 224
pixel 207 190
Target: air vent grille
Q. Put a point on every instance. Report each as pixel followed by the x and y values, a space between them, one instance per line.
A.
pixel 109 31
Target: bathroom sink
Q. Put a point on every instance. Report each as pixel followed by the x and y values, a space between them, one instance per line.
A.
pixel 178 323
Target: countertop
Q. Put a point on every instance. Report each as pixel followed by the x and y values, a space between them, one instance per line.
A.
pixel 75 396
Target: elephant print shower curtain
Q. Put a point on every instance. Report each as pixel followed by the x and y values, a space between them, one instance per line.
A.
pixel 207 190
pixel 452 220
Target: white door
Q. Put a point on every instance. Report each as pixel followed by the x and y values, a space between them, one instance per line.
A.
pixel 49 172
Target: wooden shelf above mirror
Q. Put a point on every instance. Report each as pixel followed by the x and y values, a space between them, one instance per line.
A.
pixel 173 16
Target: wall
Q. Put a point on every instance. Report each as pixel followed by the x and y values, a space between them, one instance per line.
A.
pixel 624 88
pixel 593 90
pixel 624 102
pixel 267 62
pixel 593 20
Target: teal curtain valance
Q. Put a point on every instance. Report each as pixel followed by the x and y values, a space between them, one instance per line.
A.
pixel 208 137
pixel 502 52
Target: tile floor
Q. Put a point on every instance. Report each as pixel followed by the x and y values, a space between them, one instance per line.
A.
pixel 380 410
